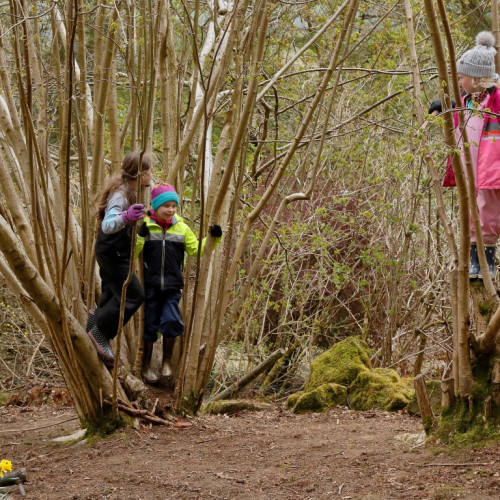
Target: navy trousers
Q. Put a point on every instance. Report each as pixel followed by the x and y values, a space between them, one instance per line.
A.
pixel 162 314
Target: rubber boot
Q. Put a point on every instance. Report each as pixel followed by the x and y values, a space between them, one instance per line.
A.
pixel 148 375
pixel 102 346
pixel 90 321
pixel 490 260
pixel 474 263
pixel 168 347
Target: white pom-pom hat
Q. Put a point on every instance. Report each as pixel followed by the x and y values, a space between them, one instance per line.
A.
pixel 479 62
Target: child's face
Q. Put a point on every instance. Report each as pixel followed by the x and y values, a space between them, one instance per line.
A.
pixel 146 177
pixel 166 211
pixel 468 83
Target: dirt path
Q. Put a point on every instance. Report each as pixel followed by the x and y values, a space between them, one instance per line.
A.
pixel 269 455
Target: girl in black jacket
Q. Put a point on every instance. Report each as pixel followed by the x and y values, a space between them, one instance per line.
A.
pixel 116 212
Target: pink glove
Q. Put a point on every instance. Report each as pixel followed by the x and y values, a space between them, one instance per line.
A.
pixel 133 214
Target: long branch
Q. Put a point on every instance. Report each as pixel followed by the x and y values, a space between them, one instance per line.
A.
pixel 463 278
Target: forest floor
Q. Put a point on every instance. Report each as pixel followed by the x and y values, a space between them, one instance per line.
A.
pixel 265 455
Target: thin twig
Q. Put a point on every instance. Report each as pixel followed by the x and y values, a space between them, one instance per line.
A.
pixel 37 348
pixel 5 431
pixel 456 465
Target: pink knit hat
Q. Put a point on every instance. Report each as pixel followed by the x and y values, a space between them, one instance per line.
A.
pixel 162 193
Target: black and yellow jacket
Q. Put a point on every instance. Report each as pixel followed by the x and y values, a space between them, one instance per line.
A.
pixel 163 252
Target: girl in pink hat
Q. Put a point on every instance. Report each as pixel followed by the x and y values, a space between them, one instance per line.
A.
pixel 163 239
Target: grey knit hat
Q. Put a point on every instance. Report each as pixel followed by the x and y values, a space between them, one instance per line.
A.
pixel 479 62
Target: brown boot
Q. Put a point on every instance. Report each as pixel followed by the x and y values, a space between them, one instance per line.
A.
pixel 147 373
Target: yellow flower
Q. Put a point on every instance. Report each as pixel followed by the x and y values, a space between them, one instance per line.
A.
pixel 5 465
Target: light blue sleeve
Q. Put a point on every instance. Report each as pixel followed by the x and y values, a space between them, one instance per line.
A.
pixel 113 220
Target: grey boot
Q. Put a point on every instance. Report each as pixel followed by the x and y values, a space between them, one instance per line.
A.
pixel 168 347
pixel 490 260
pixel 148 375
pixel 474 262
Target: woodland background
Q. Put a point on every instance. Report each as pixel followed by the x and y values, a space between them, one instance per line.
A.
pixel 297 126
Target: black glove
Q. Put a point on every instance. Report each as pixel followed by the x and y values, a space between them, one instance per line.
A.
pixel 216 231
pixel 143 230
pixel 436 106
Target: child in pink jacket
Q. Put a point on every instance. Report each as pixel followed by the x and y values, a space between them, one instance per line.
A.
pixel 476 74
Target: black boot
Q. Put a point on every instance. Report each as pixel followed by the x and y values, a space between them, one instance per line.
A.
pixel 102 346
pixel 148 375
pixel 90 321
pixel 490 260
pixel 474 262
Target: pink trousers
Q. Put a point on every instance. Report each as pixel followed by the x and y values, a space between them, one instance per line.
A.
pixel 488 204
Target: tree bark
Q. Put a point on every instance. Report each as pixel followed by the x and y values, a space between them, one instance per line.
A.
pixel 424 403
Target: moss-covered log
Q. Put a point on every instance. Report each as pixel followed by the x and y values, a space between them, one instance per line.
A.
pixel 230 406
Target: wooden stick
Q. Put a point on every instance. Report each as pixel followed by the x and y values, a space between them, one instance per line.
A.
pixel 144 414
pixel 456 465
pixel 424 403
pixel 252 375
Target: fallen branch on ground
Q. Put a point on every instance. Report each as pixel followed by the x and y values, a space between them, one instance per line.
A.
pixel 239 384
pixel 144 414
pixel 455 465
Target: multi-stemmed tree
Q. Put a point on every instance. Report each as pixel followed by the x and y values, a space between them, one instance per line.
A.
pixel 82 83
pixel 471 396
pixel 249 108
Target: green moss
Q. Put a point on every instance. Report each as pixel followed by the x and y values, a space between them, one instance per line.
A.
pixel 320 399
pixel 292 400
pixel 228 406
pixel 408 382
pixel 463 425
pixel 341 364
pixel 389 374
pixel 446 492
pixel 106 425
pixel 427 424
pixel 482 387
pixel 485 308
pixel 381 388
pixel 191 402
pixel 4 397
pixel 347 363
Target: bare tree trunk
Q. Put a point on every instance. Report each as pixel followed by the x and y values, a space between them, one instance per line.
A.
pixel 495 28
pixel 196 369
pixel 472 347
pixel 464 368
pixel 48 302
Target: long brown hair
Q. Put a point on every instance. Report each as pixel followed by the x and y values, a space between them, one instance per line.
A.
pixel 124 182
